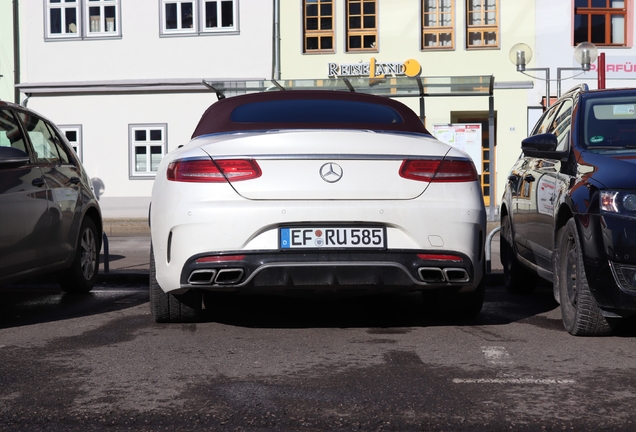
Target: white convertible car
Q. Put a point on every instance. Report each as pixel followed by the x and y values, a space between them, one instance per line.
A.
pixel 304 191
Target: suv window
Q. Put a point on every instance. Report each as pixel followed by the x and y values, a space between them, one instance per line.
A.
pixel 545 123
pixel 562 124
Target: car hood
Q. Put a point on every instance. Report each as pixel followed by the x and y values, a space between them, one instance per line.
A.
pixel 614 169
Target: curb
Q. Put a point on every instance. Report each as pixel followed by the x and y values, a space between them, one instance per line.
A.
pixel 126 227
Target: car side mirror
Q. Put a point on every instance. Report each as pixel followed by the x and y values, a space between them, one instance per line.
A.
pixel 543 146
pixel 12 157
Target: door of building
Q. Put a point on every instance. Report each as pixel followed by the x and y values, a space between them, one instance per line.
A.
pixel 488 168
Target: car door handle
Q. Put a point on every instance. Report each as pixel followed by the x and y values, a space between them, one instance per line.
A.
pixel 529 178
pixel 74 180
pixel 39 182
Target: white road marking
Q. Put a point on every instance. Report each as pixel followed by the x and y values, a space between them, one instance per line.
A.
pixel 496 355
pixel 548 381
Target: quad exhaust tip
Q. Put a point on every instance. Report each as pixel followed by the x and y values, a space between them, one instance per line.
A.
pixel 438 275
pixel 225 276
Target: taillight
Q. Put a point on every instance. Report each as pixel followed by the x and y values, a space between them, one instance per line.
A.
pixel 209 171
pixel 220 258
pixel 440 257
pixel 438 170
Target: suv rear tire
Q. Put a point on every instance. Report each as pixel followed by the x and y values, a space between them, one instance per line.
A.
pixel 580 312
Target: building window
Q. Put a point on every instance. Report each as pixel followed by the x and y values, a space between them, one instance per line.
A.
pixel 482 23
pixel 147 146
pixel 362 25
pixel 73 134
pixel 82 19
pixel 602 22
pixel 437 24
pixel 198 16
pixel 318 25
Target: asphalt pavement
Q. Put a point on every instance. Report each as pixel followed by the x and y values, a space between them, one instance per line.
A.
pixel 125 256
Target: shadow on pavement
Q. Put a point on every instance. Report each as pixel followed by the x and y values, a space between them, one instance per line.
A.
pixel 36 302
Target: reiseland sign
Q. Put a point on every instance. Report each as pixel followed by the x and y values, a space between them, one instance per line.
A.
pixel 375 69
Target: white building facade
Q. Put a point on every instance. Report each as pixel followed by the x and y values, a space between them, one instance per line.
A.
pixel 561 26
pixel 7 92
pixel 124 79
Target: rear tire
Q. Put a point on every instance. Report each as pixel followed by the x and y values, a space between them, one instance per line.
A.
pixel 170 308
pixel 517 278
pixel 580 312
pixel 81 276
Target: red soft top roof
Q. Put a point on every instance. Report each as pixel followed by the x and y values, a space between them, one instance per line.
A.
pixel 218 117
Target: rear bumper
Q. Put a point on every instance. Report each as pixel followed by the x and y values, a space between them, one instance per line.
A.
pixel 328 270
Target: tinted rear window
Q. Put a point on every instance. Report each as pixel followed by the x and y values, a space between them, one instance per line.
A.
pixel 315 111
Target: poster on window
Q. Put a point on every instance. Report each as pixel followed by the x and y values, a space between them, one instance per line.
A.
pixel 465 137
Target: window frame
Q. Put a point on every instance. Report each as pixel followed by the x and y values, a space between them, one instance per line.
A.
pixel 82 16
pixel 362 31
pixel 79 142
pixel 133 174
pixel 437 30
pixel 607 12
pixel 482 29
pixel 319 33
pixel 199 26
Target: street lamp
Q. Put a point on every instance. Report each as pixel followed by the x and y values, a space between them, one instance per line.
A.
pixel 585 53
pixel 520 54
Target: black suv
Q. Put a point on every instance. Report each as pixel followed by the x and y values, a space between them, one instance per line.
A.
pixel 50 221
pixel 568 213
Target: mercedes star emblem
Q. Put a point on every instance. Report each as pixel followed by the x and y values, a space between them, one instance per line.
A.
pixel 331 172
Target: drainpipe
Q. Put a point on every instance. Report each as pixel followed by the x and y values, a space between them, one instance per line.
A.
pixel 276 42
pixel 16 50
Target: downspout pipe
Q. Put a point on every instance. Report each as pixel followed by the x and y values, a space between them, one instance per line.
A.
pixel 276 42
pixel 16 50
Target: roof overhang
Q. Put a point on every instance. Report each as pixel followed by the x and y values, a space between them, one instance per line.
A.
pixel 399 86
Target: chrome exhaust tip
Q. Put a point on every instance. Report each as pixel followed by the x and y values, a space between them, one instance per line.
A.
pixel 202 277
pixel 229 276
pixel 431 274
pixel 456 275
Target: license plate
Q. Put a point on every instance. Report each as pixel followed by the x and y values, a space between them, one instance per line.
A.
pixel 333 237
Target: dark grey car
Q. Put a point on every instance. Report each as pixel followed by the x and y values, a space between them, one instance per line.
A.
pixel 50 221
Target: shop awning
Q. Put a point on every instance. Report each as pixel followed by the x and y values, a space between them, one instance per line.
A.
pixel 398 86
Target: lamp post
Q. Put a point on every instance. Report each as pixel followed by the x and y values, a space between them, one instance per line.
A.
pixel 520 54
